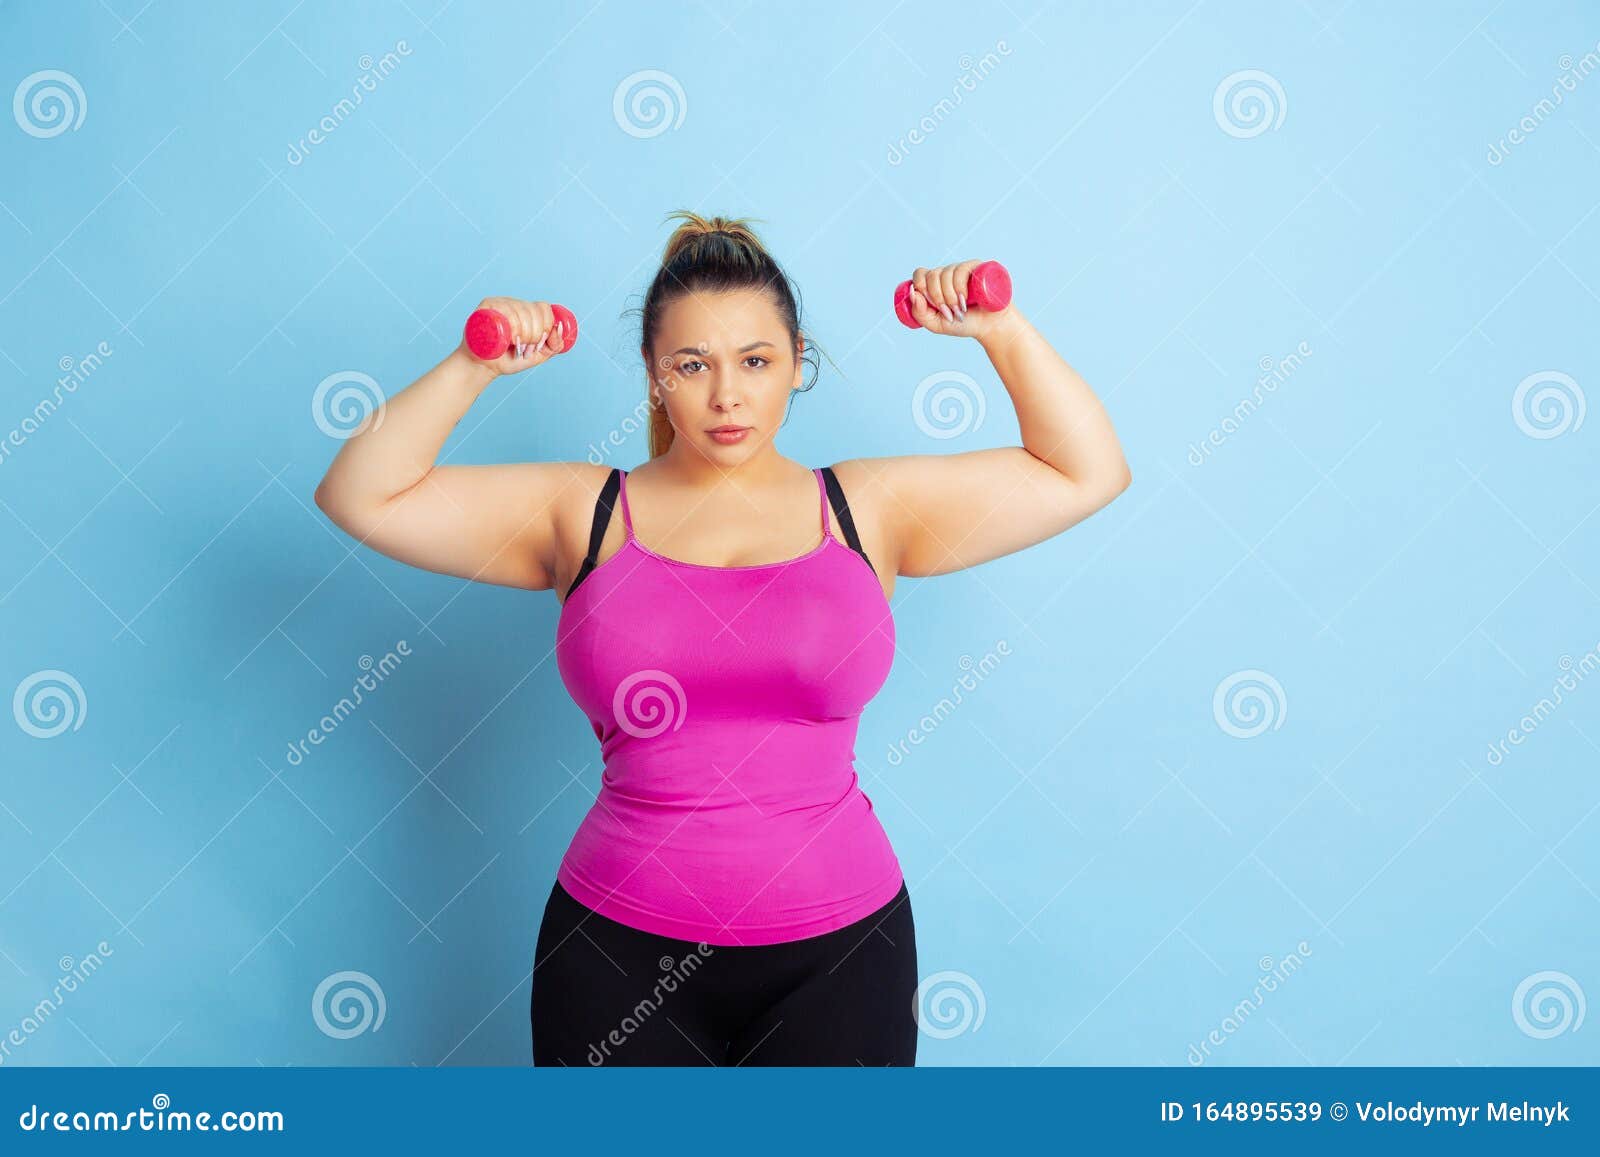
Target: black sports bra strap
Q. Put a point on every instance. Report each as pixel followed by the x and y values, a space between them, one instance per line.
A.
pixel 597 532
pixel 841 509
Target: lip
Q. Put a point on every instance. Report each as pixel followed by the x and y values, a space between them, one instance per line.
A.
pixel 726 429
pixel 728 435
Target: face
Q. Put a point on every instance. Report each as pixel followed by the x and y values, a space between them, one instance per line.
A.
pixel 724 366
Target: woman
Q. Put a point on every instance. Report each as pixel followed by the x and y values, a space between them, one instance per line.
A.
pixel 731 897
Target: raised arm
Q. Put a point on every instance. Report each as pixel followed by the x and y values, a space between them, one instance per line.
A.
pixel 494 524
pixel 944 512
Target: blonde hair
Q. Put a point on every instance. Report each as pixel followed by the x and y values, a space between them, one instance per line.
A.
pixel 715 254
pixel 695 226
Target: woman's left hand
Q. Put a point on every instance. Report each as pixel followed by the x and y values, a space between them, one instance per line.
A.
pixel 939 301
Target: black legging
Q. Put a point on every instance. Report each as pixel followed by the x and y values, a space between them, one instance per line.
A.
pixel 608 994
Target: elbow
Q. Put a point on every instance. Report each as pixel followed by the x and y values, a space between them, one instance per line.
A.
pixel 1107 489
pixel 328 500
pixel 1103 492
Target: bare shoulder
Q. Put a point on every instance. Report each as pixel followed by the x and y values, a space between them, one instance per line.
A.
pixel 937 513
pixel 871 501
pixel 574 520
pixel 573 503
pixel 582 483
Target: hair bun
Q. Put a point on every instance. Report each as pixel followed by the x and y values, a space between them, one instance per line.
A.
pixel 695 228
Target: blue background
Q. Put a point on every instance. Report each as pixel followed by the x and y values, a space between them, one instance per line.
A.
pixel 1106 866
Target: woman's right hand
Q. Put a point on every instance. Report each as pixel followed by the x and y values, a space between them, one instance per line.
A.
pixel 533 324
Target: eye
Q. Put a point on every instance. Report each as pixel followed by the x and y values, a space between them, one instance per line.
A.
pixel 686 366
pixel 758 359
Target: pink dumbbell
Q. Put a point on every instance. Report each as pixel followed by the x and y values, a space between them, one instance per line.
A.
pixel 988 288
pixel 488 332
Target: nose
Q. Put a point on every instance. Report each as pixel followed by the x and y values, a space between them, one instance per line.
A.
pixel 724 390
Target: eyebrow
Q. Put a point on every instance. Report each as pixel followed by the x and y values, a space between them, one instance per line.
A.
pixel 755 345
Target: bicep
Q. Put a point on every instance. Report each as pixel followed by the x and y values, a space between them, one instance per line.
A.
pixel 947 512
pixel 493 524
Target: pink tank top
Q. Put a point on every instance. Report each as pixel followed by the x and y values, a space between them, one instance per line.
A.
pixel 726 702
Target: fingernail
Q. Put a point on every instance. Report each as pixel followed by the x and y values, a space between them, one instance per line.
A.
pixel 948 316
pixel 963 303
